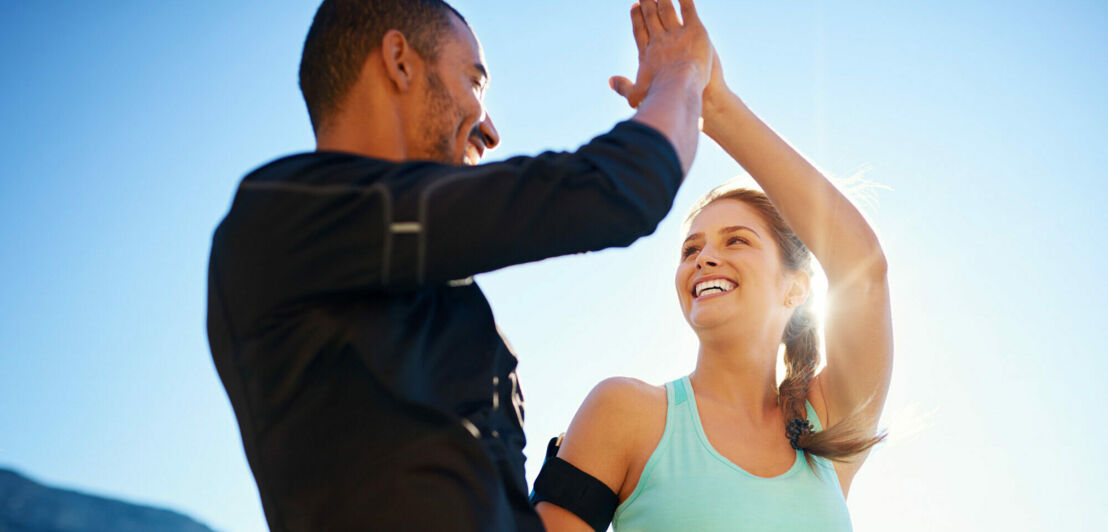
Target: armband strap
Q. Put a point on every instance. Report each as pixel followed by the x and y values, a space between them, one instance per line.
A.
pixel 562 484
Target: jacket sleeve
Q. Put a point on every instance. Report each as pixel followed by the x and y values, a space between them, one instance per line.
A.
pixel 372 225
pixel 609 193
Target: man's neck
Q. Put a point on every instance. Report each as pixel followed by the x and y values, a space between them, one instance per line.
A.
pixel 373 144
pixel 370 127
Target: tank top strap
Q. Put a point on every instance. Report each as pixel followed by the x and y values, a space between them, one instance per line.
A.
pixel 682 421
pixel 676 402
pixel 680 430
pixel 677 407
pixel 675 390
pixel 678 438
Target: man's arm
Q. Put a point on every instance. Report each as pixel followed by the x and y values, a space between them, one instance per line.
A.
pixel 612 191
pixel 675 64
pixel 673 107
pixel 342 225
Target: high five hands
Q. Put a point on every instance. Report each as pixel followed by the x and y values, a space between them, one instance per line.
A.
pixel 666 44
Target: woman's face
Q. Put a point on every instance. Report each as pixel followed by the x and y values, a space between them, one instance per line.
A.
pixel 730 271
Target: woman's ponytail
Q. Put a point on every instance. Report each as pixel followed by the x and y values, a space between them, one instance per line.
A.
pixel 840 441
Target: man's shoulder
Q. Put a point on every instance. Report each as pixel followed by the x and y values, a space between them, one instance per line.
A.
pixel 310 166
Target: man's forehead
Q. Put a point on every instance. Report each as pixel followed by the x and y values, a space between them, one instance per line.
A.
pixel 464 42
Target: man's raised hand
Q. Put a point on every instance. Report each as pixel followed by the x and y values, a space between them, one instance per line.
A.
pixel 667 46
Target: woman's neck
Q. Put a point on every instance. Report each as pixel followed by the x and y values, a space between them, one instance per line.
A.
pixel 742 374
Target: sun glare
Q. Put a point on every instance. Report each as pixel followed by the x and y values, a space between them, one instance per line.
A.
pixel 819 306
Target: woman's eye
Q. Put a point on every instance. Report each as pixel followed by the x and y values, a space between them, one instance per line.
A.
pixel 691 250
pixel 737 240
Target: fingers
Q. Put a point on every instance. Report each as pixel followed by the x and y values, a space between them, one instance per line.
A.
pixel 649 10
pixel 688 12
pixel 668 15
pixel 638 27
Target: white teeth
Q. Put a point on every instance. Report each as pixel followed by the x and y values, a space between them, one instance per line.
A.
pixel 714 286
pixel 472 156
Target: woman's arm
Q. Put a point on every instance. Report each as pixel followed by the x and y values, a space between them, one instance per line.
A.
pixel 858 328
pixel 619 418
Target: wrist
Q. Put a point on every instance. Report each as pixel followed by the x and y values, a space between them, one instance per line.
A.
pixel 715 98
pixel 685 76
pixel 719 108
pixel 677 85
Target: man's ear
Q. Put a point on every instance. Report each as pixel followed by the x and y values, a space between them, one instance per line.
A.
pixel 402 63
pixel 799 285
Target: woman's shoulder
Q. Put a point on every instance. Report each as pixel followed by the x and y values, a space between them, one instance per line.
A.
pixel 624 408
pixel 619 418
pixel 626 396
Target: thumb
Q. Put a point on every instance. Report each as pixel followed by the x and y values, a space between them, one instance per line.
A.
pixel 621 85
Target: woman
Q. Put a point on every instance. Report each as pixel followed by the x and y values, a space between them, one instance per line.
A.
pixel 725 448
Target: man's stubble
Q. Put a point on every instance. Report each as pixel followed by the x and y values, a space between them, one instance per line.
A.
pixel 439 123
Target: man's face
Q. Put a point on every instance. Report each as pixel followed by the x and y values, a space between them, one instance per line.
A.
pixel 454 127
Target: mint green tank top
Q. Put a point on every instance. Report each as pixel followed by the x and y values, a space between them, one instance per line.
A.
pixel 688 485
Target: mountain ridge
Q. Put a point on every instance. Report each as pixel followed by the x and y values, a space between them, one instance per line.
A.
pixel 30 506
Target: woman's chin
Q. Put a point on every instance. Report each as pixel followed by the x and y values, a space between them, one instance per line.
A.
pixel 708 318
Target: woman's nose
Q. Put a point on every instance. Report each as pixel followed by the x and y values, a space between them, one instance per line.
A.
pixel 706 261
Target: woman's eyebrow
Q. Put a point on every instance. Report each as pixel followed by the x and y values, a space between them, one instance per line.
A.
pixel 692 236
pixel 736 228
pixel 725 230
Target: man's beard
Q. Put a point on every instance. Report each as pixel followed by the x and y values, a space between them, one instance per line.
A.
pixel 438 125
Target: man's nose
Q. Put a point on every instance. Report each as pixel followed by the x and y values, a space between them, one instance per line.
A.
pixel 488 132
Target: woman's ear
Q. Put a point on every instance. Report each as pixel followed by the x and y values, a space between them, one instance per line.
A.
pixel 797 292
pixel 402 63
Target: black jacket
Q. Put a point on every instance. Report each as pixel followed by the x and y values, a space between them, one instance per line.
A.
pixel 371 386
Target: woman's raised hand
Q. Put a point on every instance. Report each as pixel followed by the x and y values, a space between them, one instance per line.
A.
pixel 717 89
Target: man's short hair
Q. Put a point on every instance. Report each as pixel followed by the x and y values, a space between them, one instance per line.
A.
pixel 343 34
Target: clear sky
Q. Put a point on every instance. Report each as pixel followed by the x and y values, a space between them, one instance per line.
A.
pixel 125 127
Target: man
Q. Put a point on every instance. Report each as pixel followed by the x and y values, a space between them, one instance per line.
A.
pixel 370 383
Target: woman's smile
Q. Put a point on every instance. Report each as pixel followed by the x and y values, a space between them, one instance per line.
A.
pixel 712 286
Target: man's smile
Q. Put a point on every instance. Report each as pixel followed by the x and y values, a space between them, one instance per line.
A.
pixel 473 153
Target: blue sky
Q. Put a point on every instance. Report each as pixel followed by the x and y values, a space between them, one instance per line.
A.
pixel 124 128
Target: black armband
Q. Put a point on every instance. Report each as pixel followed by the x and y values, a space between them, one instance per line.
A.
pixel 562 484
